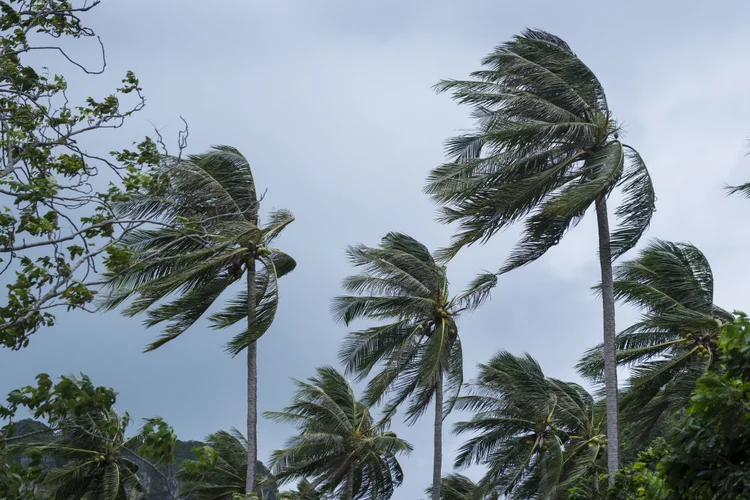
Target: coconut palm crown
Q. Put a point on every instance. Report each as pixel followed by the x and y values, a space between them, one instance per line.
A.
pixel 545 147
pixel 536 435
pixel 676 338
pixel 340 447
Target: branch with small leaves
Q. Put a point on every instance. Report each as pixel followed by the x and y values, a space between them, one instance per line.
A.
pixel 48 180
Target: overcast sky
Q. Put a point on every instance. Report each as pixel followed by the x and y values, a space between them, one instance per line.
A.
pixel 332 103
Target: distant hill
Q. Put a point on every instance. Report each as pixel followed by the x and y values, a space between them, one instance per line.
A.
pixel 154 483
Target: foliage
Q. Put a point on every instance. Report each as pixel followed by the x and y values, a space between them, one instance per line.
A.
pixel 536 435
pixel 545 147
pixel 304 491
pixel 339 444
pixel 676 338
pixel 640 480
pixel 206 234
pixel 403 286
pixel 710 455
pixel 743 189
pixel 217 470
pixel 83 450
pixel 459 487
pixel 56 223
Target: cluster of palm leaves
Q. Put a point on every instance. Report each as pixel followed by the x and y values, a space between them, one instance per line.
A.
pixel 676 339
pixel 345 451
pixel 94 459
pixel 535 435
pixel 545 149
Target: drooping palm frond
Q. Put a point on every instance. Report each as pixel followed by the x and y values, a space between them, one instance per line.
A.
pixel 743 189
pixel 534 434
pixel 674 341
pixel 218 471
pixel 338 442
pixel 545 147
pixel 205 233
pixel 459 487
pixel 418 345
pixel 304 491
pixel 90 459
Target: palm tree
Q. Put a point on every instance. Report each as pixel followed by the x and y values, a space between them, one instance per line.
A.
pixel 546 148
pixel 219 469
pixel 676 338
pixel 207 236
pixel 92 459
pixel 536 435
pixel 419 346
pixel 459 487
pixel 339 443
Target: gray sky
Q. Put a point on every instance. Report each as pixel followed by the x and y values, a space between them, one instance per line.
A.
pixel 332 103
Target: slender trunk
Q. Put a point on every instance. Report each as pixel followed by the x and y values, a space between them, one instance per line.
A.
pixel 610 361
pixel 252 385
pixel 438 458
pixel 350 484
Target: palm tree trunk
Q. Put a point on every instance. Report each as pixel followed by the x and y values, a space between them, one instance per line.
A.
pixel 437 465
pixel 350 484
pixel 610 361
pixel 252 385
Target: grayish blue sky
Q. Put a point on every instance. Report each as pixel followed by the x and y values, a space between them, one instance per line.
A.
pixel 332 103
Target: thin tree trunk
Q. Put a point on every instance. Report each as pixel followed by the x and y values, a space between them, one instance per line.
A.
pixel 610 361
pixel 252 385
pixel 437 465
pixel 350 484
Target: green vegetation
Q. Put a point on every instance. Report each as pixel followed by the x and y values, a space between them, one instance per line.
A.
pixel 340 445
pixel 546 148
pixel 207 237
pixel 182 235
pixel 419 346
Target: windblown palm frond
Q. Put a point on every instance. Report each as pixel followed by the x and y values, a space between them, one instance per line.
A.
pixel 205 234
pixel 459 487
pixel 418 343
pixel 743 189
pixel 92 458
pixel 535 435
pixel 675 340
pixel 340 446
pixel 304 491
pixel 218 470
pixel 545 148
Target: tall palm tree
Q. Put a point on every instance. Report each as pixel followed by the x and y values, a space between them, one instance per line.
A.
pixel 206 237
pixel 675 340
pixel 459 487
pixel 339 445
pixel 419 346
pixel 536 435
pixel 92 459
pixel 219 469
pixel 545 148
